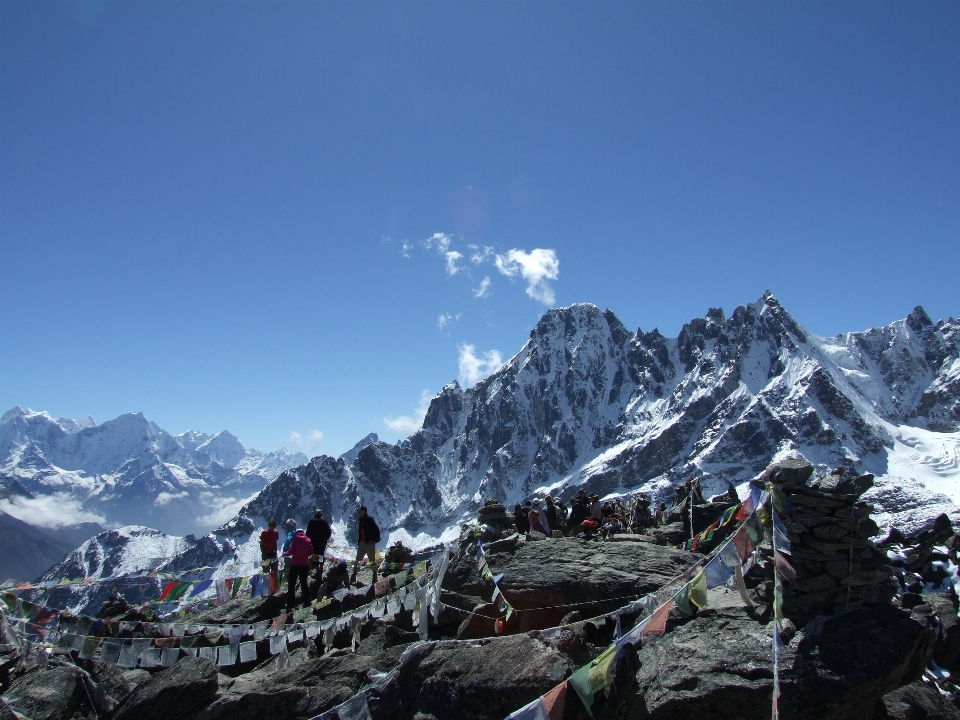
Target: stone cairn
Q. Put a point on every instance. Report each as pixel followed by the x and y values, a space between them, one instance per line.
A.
pixel 829 526
pixel 494 514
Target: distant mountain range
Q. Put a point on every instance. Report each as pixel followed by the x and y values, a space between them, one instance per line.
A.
pixel 588 403
pixel 127 471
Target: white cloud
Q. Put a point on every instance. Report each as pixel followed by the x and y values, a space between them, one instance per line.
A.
pixel 441 241
pixel 536 267
pixel 49 511
pixel 165 498
pixel 452 257
pixel 220 509
pixel 474 368
pixel 480 254
pixel 409 424
pixel 314 438
pixel 405 249
pixel 484 288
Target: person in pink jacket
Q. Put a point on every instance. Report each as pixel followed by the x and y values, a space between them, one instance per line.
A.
pixel 299 553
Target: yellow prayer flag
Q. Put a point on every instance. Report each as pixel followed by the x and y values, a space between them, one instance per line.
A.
pixel 698 589
pixel 600 672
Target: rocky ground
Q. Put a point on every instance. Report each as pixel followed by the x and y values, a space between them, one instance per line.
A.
pixel 868 663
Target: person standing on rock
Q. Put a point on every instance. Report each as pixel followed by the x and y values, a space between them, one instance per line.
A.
pixel 578 512
pixel 268 546
pixel 367 539
pixel 596 511
pixel 536 525
pixel 299 553
pixel 521 519
pixel 318 530
pixel 550 511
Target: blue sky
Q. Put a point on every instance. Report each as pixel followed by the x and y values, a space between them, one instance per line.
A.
pixel 240 215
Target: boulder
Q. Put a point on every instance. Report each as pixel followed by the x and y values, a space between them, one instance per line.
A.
pixel 172 693
pixel 307 688
pixel 917 701
pixel 551 578
pixel 718 665
pixel 472 681
pixel 51 692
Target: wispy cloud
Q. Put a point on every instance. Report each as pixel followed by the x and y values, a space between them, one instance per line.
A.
pixel 480 254
pixel 452 256
pixel 409 424
pixel 405 248
pixel 474 368
pixel 444 319
pixel 313 439
pixel 484 288
pixel 537 267
pixel 440 241
pixel 49 511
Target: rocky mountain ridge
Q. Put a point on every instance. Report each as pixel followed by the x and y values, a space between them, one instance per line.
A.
pixel 129 470
pixel 586 402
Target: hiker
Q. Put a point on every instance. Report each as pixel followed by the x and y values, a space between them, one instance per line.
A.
pixel 521 519
pixel 594 512
pixel 299 553
pixel 268 546
pixel 661 515
pixel 115 605
pixel 536 525
pixel 318 530
pixel 335 578
pixel 367 539
pixel 578 511
pixel 291 526
pixel 550 513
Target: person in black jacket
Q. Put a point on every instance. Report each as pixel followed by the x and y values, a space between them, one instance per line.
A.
pixel 520 518
pixel 367 538
pixel 318 530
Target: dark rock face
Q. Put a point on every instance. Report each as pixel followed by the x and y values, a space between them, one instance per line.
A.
pixel 173 693
pixel 557 573
pixel 836 669
pixel 473 682
pixel 54 692
pixel 917 701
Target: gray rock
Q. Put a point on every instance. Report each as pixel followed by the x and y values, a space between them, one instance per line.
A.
pixel 917 701
pixel 172 693
pixel 52 692
pixel 719 666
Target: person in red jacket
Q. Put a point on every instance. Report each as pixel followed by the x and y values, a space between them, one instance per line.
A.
pixel 299 553
pixel 268 546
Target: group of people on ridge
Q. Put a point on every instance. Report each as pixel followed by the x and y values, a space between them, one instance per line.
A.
pixel 587 515
pixel 305 550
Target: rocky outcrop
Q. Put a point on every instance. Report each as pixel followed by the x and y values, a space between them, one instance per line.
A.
pixel 173 693
pixel 53 692
pixel 718 665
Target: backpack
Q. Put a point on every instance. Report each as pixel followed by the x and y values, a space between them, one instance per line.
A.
pixel 374 530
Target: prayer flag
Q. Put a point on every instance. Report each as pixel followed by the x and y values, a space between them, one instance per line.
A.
pixel 169 657
pixel 742 542
pixel 167 589
pixel 401 578
pixel 248 652
pixel 237 586
pixel 698 589
pixel 256 586
pixel 783 567
pixel 754 529
pixel 717 572
pixel 279 621
pixel 482 564
pixel 223 592
pixel 419 569
pixel 554 701
pixel 227 655
pixel 381 587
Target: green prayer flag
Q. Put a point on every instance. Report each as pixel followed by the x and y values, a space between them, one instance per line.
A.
pixel 754 530
pixel 682 600
pixel 601 671
pixel 419 569
pixel 178 591
pixel 401 578
pixel 580 682
pixel 237 584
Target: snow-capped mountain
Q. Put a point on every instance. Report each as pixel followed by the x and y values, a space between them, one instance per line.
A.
pixel 586 402
pixel 127 470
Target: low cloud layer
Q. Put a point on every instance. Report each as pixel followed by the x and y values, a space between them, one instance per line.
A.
pixel 220 510
pixel 312 441
pixel 473 367
pixel 409 424
pixel 49 511
pixel 166 498
pixel 537 267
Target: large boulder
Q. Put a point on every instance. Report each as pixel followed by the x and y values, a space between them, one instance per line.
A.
pixel 52 692
pixel 551 578
pixel 838 668
pixel 172 693
pixel 453 680
pixel 917 701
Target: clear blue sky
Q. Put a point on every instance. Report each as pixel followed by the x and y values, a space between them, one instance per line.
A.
pixel 218 213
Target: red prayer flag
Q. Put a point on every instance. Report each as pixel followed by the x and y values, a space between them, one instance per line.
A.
pixel 745 510
pixel 658 621
pixel 554 701
pixel 168 588
pixel 742 542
